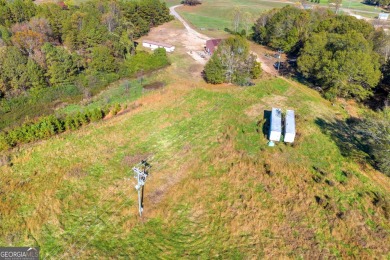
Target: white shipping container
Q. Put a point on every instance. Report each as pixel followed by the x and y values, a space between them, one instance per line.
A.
pixel 289 134
pixel 275 130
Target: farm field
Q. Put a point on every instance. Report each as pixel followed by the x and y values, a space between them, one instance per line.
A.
pixel 216 190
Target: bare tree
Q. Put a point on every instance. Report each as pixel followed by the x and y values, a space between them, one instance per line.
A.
pixel 237 19
pixel 247 21
pixel 336 4
pixel 382 44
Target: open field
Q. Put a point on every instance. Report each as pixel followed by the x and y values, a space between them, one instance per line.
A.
pixel 215 190
pixel 217 14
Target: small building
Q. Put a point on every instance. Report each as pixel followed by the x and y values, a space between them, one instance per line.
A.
pixel 289 131
pixel 212 45
pixel 275 130
pixel 154 45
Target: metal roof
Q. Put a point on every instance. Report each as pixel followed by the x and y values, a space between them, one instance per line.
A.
pixel 158 43
pixel 276 120
pixel 290 122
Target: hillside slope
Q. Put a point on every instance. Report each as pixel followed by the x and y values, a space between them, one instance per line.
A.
pixel 215 190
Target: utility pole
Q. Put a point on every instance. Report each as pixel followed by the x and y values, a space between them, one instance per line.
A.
pixel 141 173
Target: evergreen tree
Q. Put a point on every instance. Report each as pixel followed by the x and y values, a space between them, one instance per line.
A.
pixel 61 66
pixel 343 64
pixel 102 60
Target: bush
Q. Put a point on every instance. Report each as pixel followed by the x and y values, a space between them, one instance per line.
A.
pixel 115 109
pixel 191 2
pixel 4 143
pixel 96 115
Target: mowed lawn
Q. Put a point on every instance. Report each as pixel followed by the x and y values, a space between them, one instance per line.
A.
pixel 216 190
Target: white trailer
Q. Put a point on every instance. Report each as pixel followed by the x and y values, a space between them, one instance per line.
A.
pixel 275 130
pixel 289 131
pixel 154 45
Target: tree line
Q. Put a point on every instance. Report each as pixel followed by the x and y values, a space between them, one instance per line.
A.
pixel 48 45
pixel 343 56
pixel 52 125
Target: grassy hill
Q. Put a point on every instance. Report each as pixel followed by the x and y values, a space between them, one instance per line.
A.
pixel 215 190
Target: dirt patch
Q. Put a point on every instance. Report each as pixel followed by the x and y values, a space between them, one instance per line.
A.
pixel 257 110
pixel 154 85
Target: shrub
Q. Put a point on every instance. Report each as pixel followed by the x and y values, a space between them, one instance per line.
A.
pixel 95 115
pixel 4 143
pixel 115 109
pixel 191 2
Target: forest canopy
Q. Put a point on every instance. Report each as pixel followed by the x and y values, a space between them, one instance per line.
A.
pixel 48 45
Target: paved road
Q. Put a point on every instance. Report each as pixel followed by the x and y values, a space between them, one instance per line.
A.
pixel 186 25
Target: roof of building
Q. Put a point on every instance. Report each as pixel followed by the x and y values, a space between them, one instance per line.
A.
pixel 290 122
pixel 211 45
pixel 158 43
pixel 276 120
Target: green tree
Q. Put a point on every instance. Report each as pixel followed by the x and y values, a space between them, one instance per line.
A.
pixel 55 16
pixel 232 63
pixel 283 29
pixel 213 71
pixel 343 24
pixel 102 60
pixel 61 65
pixel 13 69
pixel 21 10
pixel 342 64
pixel 374 131
pixel 35 75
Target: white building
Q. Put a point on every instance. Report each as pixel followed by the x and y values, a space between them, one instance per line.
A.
pixel 383 16
pixel 289 131
pixel 154 45
pixel 275 130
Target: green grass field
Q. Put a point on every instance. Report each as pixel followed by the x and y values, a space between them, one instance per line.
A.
pixel 216 189
pixel 217 14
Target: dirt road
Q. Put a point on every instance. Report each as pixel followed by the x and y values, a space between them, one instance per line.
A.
pixel 265 64
pixel 186 25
